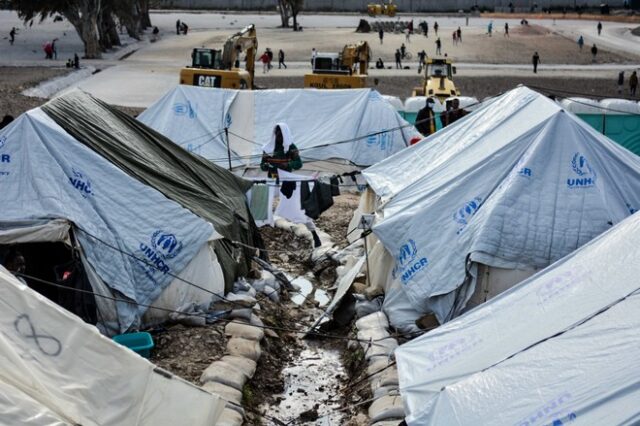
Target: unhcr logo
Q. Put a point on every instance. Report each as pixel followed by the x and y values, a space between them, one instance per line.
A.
pixel 383 140
pixel 586 175
pixel 407 262
pixel 82 183
pixel 227 120
pixel 554 412
pixel 463 215
pixel 164 246
pixel 4 158
pixel 3 140
pixel 450 351
pixel 184 109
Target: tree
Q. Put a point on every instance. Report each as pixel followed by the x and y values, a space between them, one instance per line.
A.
pixel 296 6
pixel 285 12
pixel 82 14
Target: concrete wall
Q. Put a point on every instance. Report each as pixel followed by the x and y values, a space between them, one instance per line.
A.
pixel 361 5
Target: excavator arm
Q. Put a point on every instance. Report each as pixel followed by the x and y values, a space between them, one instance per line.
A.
pixel 244 40
pixel 356 57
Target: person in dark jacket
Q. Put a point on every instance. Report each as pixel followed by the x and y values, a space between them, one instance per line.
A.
pixel 536 60
pixel 281 60
pixel 425 121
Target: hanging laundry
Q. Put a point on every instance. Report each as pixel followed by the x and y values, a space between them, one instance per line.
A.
pixel 334 181
pixel 259 204
pixel 317 199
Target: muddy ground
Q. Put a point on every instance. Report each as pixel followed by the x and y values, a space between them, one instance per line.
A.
pixel 479 87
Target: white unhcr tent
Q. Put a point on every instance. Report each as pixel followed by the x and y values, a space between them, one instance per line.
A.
pixel 55 370
pixel 559 348
pixel 326 124
pixel 132 241
pixel 484 203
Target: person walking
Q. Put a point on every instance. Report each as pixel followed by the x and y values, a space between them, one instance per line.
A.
pixel 633 83
pixel 265 62
pixel 398 59
pixel 314 53
pixel 438 46
pixel 178 27
pixel 459 31
pixel 620 82
pixel 536 61
pixel 426 29
pixel 281 60
pixel 270 55
pixel 506 29
pixel 455 37
pixel 403 51
pixel 407 35
pixel 54 49
pixel 381 35
pixel 12 35
pixel 594 52
pixel 490 28
pixel 435 28
pixel 422 57
pixel 599 27
pixel 580 42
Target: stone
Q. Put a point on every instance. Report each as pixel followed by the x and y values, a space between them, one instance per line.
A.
pixel 225 373
pixel 230 417
pixel 245 331
pixel 386 408
pixel 244 347
pixel 226 392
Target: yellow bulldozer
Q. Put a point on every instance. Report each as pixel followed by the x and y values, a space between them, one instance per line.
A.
pixel 438 79
pixel 221 68
pixel 382 8
pixel 345 70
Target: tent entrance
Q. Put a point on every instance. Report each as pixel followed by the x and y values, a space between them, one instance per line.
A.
pixel 55 262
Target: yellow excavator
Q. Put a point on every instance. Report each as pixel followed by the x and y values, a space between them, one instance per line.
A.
pixel 438 79
pixel 345 70
pixel 221 68
pixel 382 8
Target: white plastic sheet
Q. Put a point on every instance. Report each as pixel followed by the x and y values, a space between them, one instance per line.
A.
pixel 55 369
pixel 560 346
pixel 348 125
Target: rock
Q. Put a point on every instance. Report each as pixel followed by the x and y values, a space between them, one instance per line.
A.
pixel 375 320
pixel 245 348
pixel 226 392
pixel 269 332
pixel 359 420
pixel 225 373
pixel 229 417
pixel 386 408
pixel 244 331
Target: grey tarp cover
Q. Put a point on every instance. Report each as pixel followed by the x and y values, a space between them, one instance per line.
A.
pixel 209 191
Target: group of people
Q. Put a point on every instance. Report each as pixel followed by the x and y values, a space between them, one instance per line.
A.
pixel 633 83
pixel 267 57
pixel 181 27
pixel 426 118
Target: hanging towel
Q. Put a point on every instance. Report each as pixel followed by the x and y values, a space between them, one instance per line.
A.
pixel 259 205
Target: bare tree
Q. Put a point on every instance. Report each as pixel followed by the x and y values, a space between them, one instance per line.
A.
pixel 296 7
pixel 82 14
pixel 285 12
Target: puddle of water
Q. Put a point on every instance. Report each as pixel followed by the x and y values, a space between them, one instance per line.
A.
pixel 311 381
pixel 305 289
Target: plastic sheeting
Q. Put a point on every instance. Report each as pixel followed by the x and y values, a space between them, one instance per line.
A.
pixel 557 348
pixel 523 194
pixel 338 117
pixel 55 369
pixel 46 173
